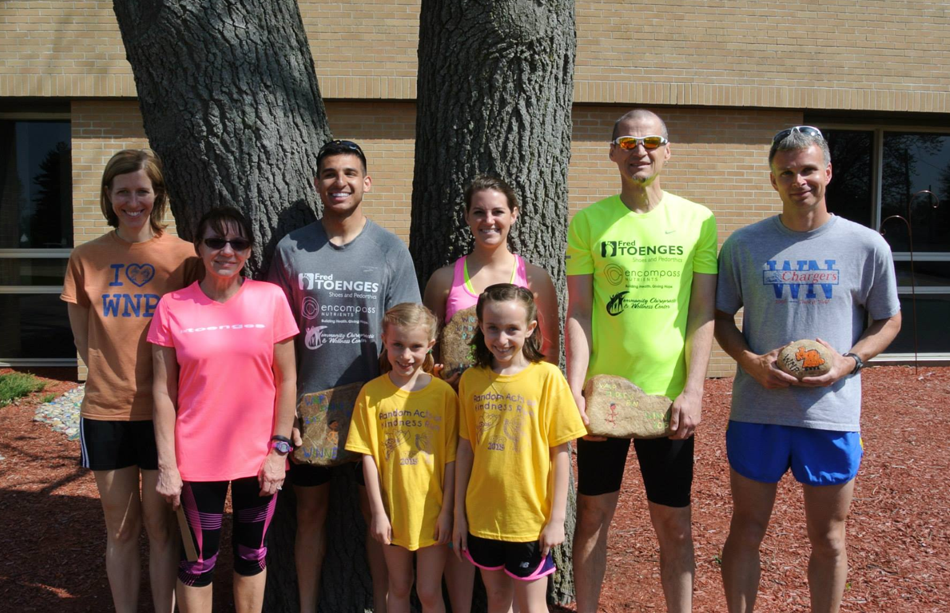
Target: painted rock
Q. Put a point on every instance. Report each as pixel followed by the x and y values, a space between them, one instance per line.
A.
pixel 805 358
pixel 619 409
pixel 324 423
pixel 456 342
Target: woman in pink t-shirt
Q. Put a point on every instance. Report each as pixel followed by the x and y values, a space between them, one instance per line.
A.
pixel 491 208
pixel 225 384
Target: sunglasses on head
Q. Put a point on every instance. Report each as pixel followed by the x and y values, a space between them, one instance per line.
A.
pixel 632 142
pixel 806 130
pixel 337 146
pixel 238 244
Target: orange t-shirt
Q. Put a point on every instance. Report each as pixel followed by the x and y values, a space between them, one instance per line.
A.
pixel 121 283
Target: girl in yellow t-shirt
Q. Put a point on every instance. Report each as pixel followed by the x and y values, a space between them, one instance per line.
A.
pixel 405 425
pixel 517 416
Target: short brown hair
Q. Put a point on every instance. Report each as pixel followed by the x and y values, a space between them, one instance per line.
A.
pixel 128 161
pixel 483 183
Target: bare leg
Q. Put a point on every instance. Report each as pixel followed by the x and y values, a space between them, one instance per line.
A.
pixel 194 599
pixel 752 507
pixel 826 513
pixel 119 494
pixel 163 539
pixel 500 590
pixel 399 565
pixel 430 562
pixel 460 579
pixel 677 567
pixel 310 543
pixel 531 596
pixel 374 556
pixel 594 514
pixel 249 592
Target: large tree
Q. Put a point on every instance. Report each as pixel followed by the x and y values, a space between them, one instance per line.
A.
pixel 495 93
pixel 230 100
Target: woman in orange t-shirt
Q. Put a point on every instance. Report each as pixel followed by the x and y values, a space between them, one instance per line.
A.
pixel 113 285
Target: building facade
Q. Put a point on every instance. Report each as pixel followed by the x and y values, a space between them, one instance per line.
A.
pixel 726 75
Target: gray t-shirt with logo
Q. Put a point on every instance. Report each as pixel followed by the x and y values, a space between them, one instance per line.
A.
pixel 338 296
pixel 794 285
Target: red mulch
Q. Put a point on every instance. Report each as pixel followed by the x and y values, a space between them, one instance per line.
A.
pixel 52 537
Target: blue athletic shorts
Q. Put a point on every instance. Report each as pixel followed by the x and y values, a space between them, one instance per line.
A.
pixel 764 452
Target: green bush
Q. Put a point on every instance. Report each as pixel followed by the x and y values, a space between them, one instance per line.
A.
pixel 16 385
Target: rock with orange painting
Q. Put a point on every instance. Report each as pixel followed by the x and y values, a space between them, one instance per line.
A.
pixel 805 358
pixel 324 424
pixel 617 408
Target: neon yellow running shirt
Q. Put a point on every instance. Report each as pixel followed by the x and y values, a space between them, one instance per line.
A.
pixel 642 267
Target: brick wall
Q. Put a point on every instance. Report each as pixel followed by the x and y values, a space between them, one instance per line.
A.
pixel 838 54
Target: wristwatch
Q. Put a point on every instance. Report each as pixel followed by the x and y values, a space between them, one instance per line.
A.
pixel 281 444
pixel 858 362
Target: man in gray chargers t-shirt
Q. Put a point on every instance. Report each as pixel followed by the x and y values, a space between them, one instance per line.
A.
pixel 803 274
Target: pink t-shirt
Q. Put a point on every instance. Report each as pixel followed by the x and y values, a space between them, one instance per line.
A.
pixel 226 388
pixel 461 297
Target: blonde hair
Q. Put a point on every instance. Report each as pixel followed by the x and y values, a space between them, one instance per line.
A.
pixel 134 160
pixel 409 315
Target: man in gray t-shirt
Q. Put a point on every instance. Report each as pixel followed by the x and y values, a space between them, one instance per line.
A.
pixel 802 274
pixel 340 275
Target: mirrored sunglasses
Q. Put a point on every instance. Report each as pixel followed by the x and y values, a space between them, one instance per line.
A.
pixel 806 130
pixel 649 143
pixel 238 244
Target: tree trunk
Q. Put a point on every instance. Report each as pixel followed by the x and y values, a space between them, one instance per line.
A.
pixel 230 101
pixel 495 92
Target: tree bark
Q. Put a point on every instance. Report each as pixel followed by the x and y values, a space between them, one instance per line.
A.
pixel 230 101
pixel 495 91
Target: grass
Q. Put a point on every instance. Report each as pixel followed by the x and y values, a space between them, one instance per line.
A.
pixel 47 398
pixel 17 385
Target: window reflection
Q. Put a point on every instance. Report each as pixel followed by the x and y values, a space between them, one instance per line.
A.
pixel 850 192
pixel 35 185
pixel 914 162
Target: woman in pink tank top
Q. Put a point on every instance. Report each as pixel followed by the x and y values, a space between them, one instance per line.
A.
pixel 491 208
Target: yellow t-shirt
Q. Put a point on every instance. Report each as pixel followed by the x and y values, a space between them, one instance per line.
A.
pixel 512 422
pixel 642 267
pixel 412 436
pixel 121 283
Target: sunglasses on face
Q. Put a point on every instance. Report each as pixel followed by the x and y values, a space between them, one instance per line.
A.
pixel 238 244
pixel 632 142
pixel 806 130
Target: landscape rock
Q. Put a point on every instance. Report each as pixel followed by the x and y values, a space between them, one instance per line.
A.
pixel 619 409
pixel 805 358
pixel 455 344
pixel 324 424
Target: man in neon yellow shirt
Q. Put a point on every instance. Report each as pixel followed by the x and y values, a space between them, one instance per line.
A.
pixel 641 284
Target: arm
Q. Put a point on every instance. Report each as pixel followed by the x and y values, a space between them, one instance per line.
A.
pixel 443 529
pixel 873 341
pixel 553 533
pixel 687 407
pixel 79 322
pixel 763 367
pixel 580 299
pixel 380 528
pixel 165 398
pixel 545 296
pixel 273 470
pixel 464 458
pixel 436 295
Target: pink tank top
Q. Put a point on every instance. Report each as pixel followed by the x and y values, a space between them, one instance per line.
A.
pixel 461 295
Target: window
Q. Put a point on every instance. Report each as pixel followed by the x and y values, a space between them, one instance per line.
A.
pixel 36 235
pixel 880 172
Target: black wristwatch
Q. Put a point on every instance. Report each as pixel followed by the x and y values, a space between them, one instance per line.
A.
pixel 858 362
pixel 281 444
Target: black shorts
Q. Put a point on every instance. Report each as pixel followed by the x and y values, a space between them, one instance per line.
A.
pixel 666 466
pixel 308 475
pixel 111 445
pixel 520 561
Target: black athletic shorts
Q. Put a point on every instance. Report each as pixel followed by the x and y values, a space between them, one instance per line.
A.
pixel 666 466
pixel 308 475
pixel 111 445
pixel 520 561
